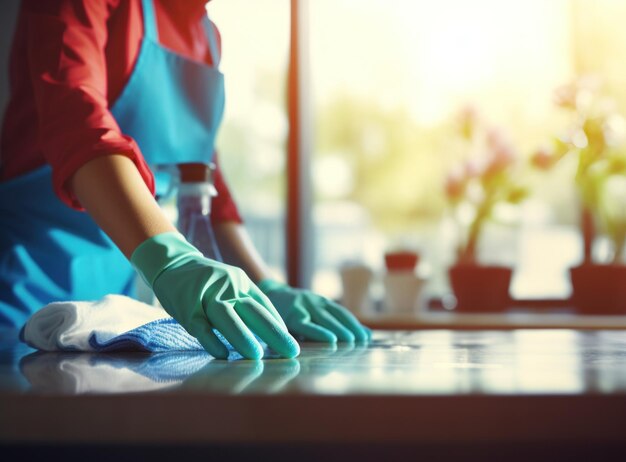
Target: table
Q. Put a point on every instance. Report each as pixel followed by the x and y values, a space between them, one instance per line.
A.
pixel 515 393
pixel 514 319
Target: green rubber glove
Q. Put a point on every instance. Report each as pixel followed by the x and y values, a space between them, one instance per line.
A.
pixel 312 316
pixel 203 294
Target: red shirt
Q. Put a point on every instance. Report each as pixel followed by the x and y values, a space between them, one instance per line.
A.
pixel 69 62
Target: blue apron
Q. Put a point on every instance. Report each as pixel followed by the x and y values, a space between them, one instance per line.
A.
pixel 172 106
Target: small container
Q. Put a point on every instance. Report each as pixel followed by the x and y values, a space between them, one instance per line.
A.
pixel 403 260
pixel 403 290
pixel 355 282
pixel 402 285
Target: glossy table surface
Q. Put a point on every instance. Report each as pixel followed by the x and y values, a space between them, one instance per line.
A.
pixel 430 385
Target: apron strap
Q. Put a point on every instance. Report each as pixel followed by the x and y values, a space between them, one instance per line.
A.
pixel 211 35
pixel 150 29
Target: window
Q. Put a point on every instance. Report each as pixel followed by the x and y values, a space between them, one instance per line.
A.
pixel 388 80
pixel 251 141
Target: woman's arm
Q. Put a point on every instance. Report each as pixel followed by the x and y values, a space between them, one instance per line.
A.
pixel 113 192
pixel 201 294
pixel 237 249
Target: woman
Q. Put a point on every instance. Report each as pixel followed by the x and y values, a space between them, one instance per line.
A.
pixel 101 90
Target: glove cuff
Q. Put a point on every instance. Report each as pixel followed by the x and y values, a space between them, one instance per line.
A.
pixel 267 285
pixel 159 252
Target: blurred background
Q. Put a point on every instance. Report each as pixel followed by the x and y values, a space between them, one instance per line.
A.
pixel 388 87
pixel 386 84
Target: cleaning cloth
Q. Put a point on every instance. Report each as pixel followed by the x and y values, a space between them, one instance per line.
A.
pixel 114 323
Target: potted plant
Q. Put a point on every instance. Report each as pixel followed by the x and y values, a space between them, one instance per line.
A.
pixel 474 190
pixel 594 137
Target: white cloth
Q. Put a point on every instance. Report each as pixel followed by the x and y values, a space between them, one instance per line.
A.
pixel 70 325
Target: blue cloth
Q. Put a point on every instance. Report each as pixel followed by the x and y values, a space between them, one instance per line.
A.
pixel 159 335
pixel 172 106
pixel 162 335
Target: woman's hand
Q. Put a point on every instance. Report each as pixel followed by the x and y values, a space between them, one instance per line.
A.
pixel 203 294
pixel 312 316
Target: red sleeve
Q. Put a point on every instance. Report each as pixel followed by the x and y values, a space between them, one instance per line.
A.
pixel 223 207
pixel 66 51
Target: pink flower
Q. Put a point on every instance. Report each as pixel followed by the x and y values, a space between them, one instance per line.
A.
pixel 502 154
pixel 473 168
pixel 543 158
pixel 455 185
pixel 566 96
pixel 495 138
pixel 577 94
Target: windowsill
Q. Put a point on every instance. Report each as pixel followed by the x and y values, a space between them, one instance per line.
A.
pixel 526 314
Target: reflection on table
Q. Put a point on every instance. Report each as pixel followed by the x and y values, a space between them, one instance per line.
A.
pixel 434 362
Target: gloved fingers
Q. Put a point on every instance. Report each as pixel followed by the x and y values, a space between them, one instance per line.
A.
pixel 267 328
pixel 325 319
pixel 348 320
pixel 368 331
pixel 297 314
pixel 211 343
pixel 313 332
pixel 223 316
pixel 264 300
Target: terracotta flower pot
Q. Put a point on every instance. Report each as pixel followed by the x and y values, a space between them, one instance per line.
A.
pixel 599 289
pixel 401 261
pixel 479 288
